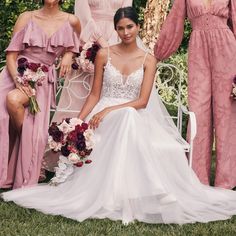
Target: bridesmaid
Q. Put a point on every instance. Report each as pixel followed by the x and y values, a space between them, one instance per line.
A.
pixel 211 68
pixel 96 18
pixel 38 37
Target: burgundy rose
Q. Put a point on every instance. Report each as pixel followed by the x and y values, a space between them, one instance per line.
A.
pixel 234 79
pixel 64 151
pixel 79 164
pixel 95 47
pixel 88 161
pixel 33 66
pixel 80 136
pixel 80 145
pixel 84 126
pixel 75 66
pixel 72 136
pixel 22 61
pixel 88 54
pixel 21 69
pixel 56 134
pixel 82 153
pixel 53 127
pixel 79 129
pixel 88 151
pixel 80 49
pixel 44 68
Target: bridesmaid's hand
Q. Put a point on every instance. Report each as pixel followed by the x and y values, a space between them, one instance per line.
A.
pixel 27 90
pixel 65 67
pixel 97 118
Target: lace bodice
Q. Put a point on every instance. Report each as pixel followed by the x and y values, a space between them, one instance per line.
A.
pixel 116 85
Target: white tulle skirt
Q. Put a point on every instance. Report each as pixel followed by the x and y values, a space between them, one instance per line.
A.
pixel 139 172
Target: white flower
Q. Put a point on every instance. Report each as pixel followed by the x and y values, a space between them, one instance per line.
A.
pixel 88 134
pixel 54 145
pixel 64 127
pixel 234 91
pixel 75 121
pixel 74 158
pixel 89 144
pixel 87 45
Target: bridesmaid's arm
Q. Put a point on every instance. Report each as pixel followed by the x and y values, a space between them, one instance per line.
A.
pixel 66 61
pixel 233 16
pixel 172 31
pixel 15 44
pixel 141 102
pixel 94 96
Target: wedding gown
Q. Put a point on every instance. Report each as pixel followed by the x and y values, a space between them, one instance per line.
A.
pixel 139 170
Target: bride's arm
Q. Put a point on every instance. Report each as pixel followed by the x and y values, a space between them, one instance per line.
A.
pixel 141 101
pixel 94 96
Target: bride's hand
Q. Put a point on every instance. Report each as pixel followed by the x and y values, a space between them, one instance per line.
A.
pixel 97 118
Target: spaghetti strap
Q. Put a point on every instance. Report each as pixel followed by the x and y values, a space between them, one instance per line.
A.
pixel 144 59
pixel 108 53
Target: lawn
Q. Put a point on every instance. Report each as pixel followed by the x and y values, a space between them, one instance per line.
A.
pixel 17 221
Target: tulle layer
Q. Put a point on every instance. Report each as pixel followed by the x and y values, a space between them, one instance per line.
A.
pixel 139 172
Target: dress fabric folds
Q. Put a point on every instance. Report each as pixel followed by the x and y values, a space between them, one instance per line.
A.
pixel 139 170
pixel 34 44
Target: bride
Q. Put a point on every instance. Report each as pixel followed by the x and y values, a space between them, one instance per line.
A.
pixel 139 169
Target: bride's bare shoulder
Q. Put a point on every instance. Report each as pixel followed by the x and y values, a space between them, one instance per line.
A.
pixel 150 60
pixel 102 54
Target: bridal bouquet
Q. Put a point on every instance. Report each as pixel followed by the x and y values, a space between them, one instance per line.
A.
pixel 74 140
pixel 233 93
pixel 31 74
pixel 86 57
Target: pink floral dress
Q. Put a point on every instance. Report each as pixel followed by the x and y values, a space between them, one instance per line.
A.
pixel 211 68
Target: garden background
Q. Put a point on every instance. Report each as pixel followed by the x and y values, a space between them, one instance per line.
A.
pixel 21 222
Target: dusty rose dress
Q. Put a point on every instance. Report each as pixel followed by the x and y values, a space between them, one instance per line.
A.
pixel 32 43
pixel 212 65
pixel 96 17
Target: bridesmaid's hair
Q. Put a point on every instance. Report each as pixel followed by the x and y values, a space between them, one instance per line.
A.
pixel 60 2
pixel 125 12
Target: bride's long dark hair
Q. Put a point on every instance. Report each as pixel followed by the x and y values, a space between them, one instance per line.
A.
pixel 126 12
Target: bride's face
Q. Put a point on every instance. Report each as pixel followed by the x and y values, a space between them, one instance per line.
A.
pixel 127 30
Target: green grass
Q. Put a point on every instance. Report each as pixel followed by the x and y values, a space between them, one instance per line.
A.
pixel 17 221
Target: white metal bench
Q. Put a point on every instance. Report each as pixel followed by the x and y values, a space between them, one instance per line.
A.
pixel 169 83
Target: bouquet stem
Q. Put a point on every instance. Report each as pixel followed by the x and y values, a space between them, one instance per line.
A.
pixel 33 105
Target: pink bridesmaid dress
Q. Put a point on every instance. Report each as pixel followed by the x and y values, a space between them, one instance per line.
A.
pixel 96 17
pixel 33 43
pixel 211 68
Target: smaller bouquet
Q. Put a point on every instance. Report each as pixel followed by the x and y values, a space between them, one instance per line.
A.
pixel 86 57
pixel 74 140
pixel 31 74
pixel 233 92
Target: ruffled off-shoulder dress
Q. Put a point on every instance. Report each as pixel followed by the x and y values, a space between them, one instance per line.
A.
pixel 23 166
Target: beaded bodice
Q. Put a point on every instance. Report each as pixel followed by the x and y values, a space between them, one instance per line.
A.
pixel 117 85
